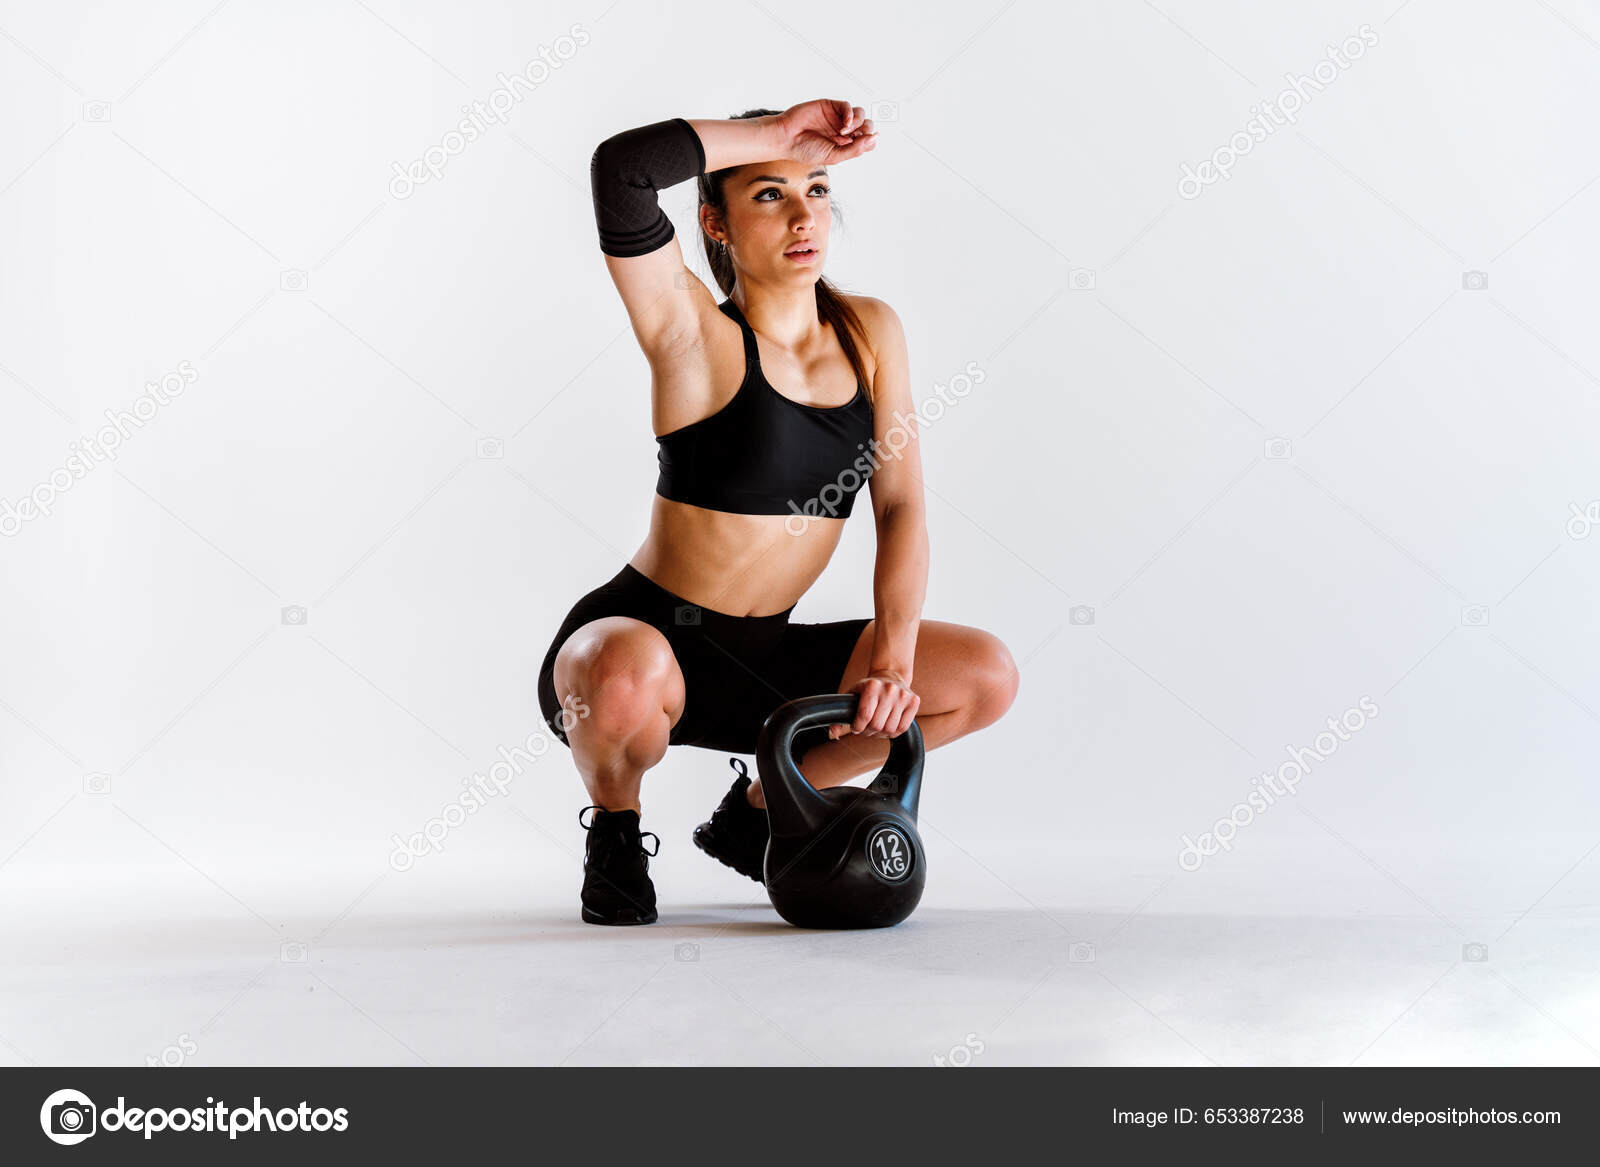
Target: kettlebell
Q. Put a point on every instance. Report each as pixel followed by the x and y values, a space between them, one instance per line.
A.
pixel 846 857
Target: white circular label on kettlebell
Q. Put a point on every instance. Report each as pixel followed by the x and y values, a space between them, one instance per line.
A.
pixel 889 853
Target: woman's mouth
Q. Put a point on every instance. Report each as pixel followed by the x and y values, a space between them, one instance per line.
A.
pixel 802 255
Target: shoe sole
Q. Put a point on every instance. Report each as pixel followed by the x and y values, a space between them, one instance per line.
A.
pixel 700 842
pixel 590 916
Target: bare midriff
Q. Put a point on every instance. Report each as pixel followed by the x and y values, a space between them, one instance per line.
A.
pixel 743 565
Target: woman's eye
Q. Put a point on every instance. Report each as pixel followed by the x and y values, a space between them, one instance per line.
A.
pixel 761 196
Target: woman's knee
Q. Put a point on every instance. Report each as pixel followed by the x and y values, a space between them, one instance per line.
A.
pixel 994 679
pixel 625 676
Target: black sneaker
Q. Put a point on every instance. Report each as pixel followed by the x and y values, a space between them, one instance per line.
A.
pixel 737 833
pixel 616 870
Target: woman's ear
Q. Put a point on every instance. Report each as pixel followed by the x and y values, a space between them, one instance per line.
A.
pixel 712 225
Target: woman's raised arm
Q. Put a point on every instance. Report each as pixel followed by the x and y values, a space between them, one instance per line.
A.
pixel 665 302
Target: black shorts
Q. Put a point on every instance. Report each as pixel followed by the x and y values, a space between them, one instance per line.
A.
pixel 736 669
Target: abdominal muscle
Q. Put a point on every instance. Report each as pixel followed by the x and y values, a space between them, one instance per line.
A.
pixel 743 565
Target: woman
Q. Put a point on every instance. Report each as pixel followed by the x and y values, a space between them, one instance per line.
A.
pixel 771 409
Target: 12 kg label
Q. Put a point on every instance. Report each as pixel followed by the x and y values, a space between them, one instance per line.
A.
pixel 889 853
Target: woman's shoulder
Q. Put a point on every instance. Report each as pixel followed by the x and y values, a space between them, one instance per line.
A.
pixel 880 321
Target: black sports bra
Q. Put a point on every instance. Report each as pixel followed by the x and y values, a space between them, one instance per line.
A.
pixel 765 454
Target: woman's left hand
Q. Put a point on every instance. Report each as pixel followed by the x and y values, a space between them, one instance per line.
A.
pixel 886 708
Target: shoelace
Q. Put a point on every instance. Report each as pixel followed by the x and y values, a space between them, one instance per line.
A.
pixel 589 826
pixel 741 808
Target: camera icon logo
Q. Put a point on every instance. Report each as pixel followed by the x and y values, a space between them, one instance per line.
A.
pixel 687 616
pixel 294 614
pixel 686 953
pixel 1081 953
pixel 885 784
pixel 682 280
pixel 491 448
pixel 885 111
pixel 97 111
pixel 97 783
pixel 68 1117
pixel 1081 279
pixel 1080 614
pixel 1475 953
pixel 293 280
pixel 1277 449
pixel 1475 281
pixel 1475 616
pixel 292 952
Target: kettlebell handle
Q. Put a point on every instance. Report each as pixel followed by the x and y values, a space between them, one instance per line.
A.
pixel 793 803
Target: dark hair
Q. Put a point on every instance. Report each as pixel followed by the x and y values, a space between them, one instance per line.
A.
pixel 831 306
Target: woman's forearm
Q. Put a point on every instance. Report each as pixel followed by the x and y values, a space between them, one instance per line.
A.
pixel 740 141
pixel 900 585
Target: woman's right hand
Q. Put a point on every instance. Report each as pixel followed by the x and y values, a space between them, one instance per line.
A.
pixel 826 132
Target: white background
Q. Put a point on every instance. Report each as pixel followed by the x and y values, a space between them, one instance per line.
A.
pixel 188 782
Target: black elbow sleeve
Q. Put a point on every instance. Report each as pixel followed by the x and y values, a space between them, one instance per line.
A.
pixel 625 173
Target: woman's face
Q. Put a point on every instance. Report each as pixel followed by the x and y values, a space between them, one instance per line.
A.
pixel 775 211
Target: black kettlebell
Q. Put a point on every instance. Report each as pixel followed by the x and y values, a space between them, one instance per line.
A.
pixel 846 857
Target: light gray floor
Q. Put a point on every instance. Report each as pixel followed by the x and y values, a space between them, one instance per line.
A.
pixel 1018 956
